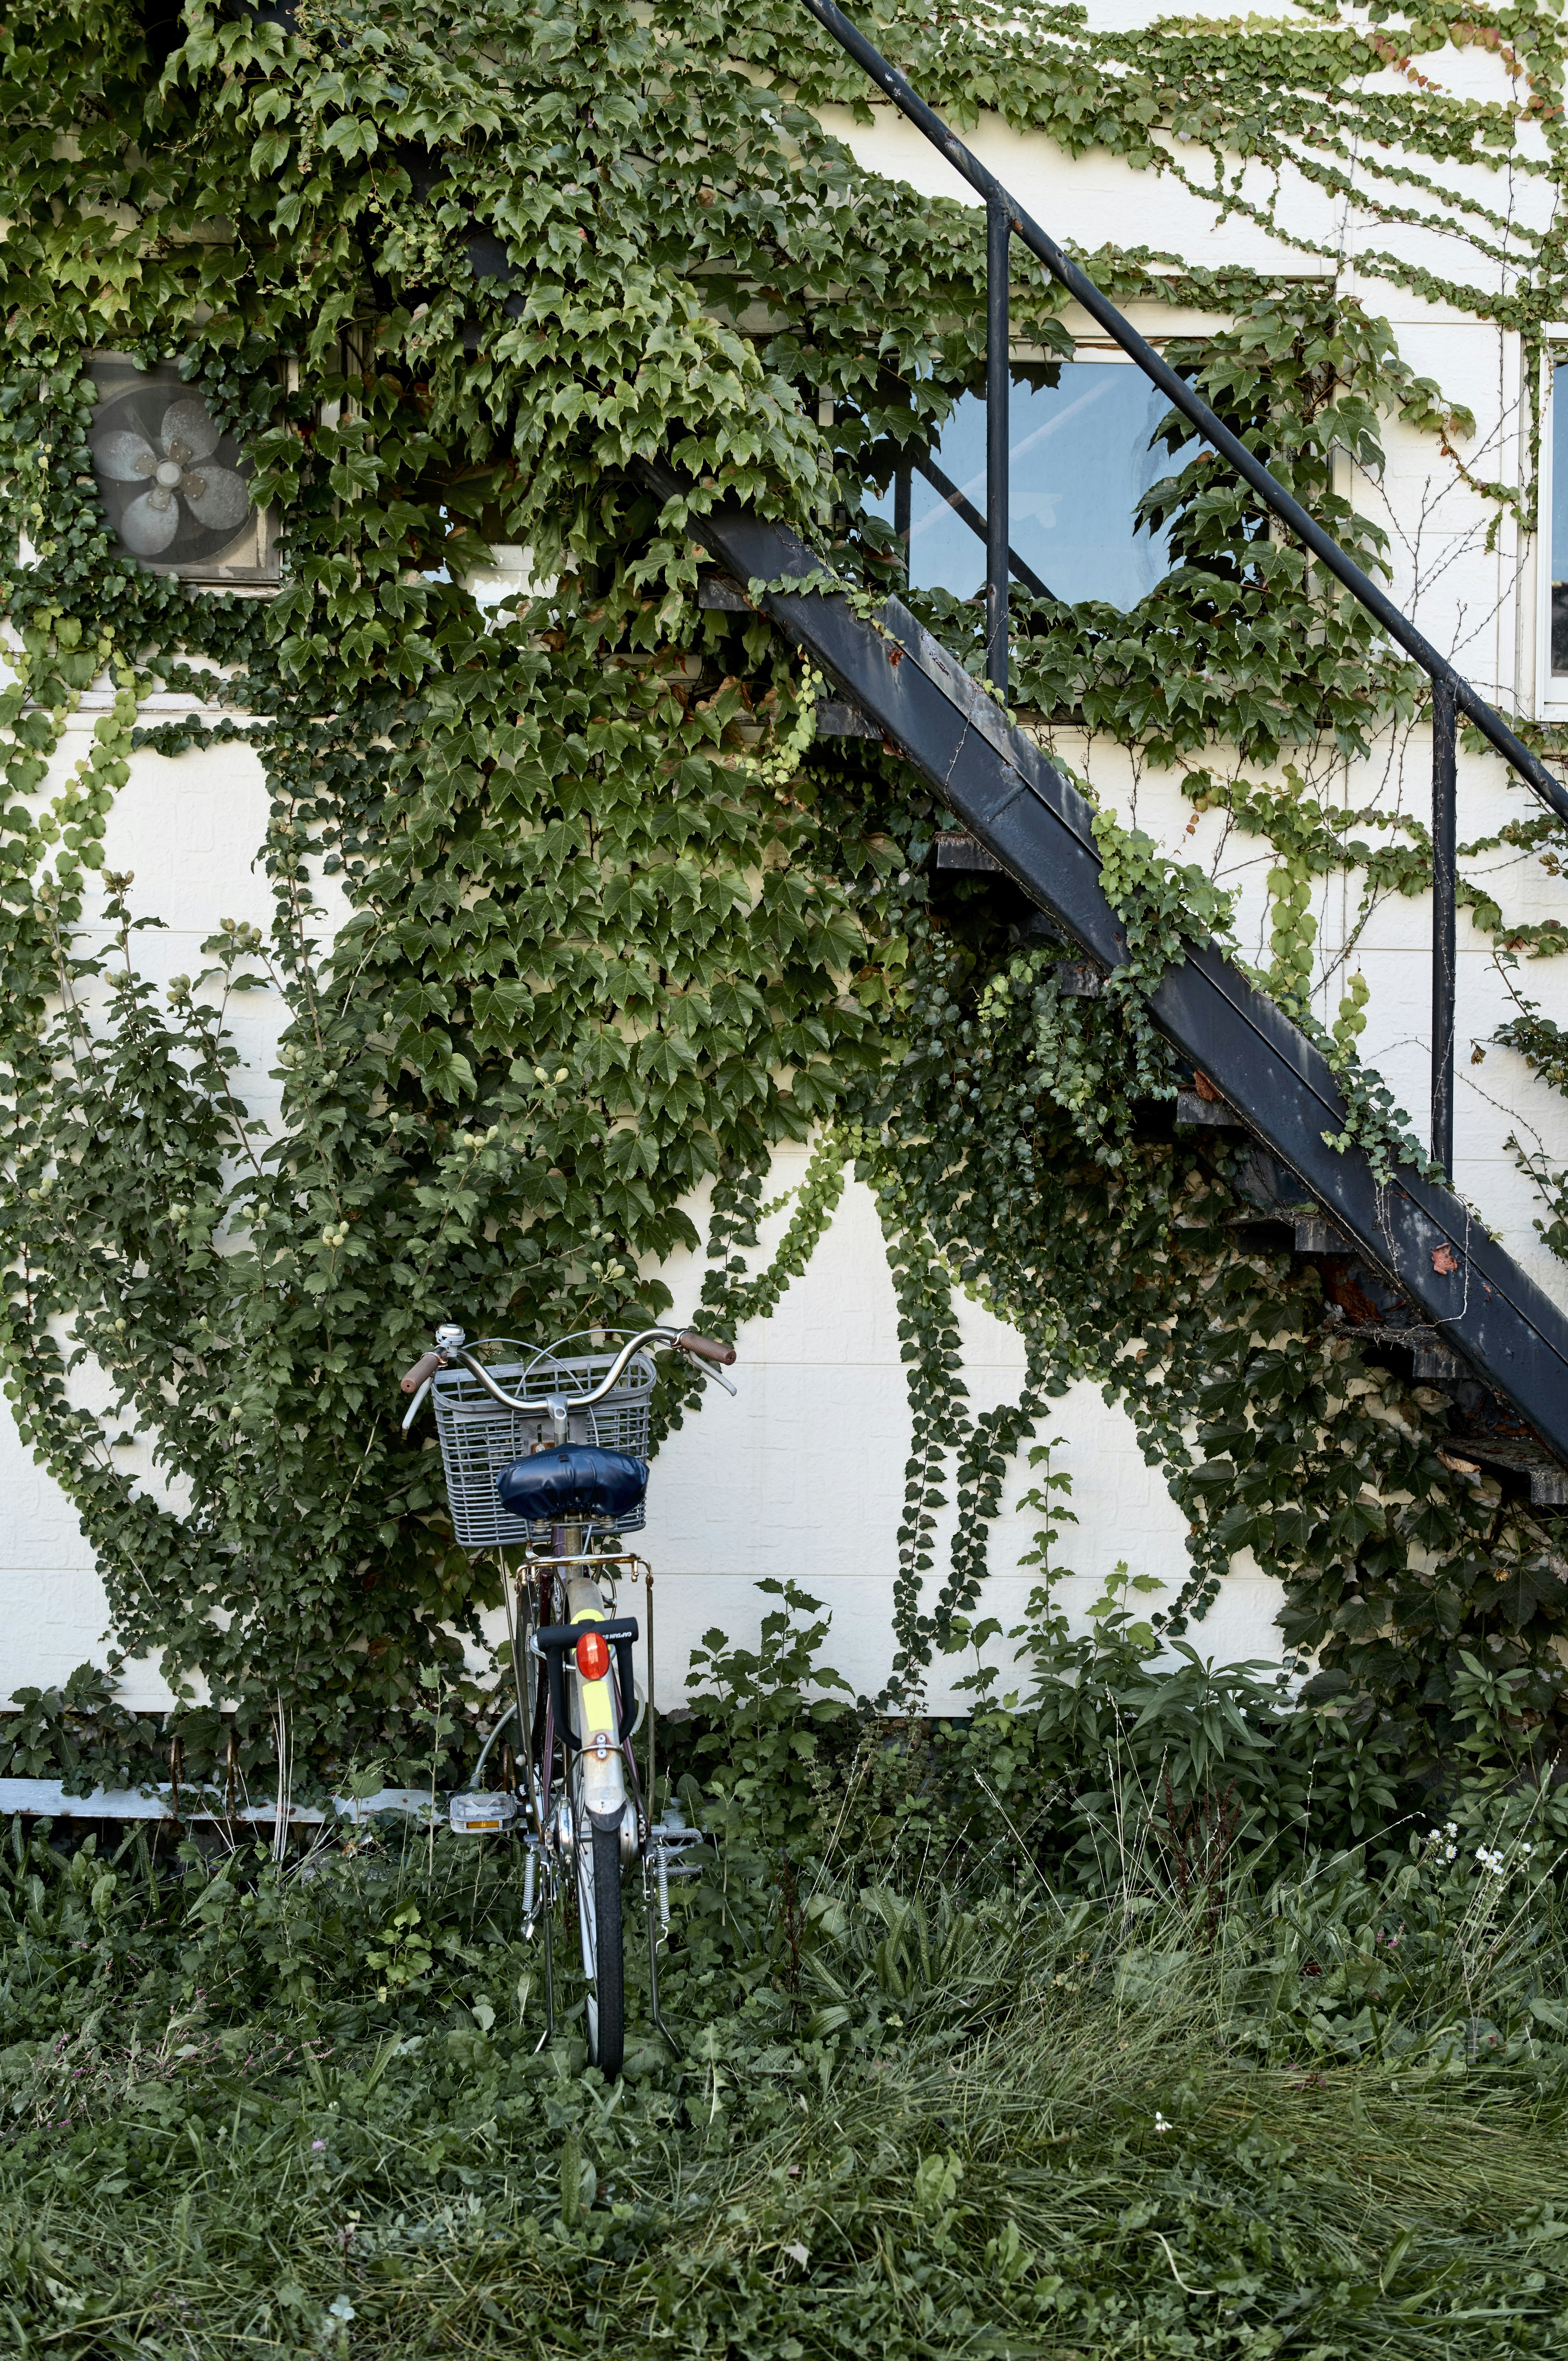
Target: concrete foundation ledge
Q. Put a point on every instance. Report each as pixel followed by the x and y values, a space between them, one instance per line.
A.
pixel 46 1798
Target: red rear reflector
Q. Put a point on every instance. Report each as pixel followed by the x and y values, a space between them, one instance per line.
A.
pixel 593 1657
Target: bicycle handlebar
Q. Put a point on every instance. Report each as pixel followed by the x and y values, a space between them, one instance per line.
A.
pixel 545 1406
pixel 706 1348
pixel 450 1350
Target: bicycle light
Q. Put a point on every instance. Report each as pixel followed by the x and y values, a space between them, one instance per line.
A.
pixel 593 1657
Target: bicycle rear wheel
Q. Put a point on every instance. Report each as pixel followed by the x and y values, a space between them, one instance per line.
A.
pixel 599 1921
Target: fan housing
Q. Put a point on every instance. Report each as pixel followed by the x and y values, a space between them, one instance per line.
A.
pixel 174 489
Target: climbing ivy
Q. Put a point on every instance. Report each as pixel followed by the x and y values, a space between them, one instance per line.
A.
pixel 570 917
pixel 1125 1259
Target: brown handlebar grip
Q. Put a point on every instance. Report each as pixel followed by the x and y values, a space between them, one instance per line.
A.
pixel 707 1348
pixel 426 1366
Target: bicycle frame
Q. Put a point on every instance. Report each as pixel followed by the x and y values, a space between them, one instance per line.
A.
pixel 575 1701
pixel 591 1721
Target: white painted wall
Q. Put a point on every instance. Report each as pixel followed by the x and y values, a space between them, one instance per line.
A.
pixel 799 1477
pixel 803 1475
pixel 188 828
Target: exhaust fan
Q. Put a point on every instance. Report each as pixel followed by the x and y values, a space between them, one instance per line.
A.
pixel 173 488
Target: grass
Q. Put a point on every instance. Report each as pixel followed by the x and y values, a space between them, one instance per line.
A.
pixel 253 2112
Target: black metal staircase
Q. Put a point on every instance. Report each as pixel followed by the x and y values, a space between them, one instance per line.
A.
pixel 1473 1298
pixel 1457 1303
pixel 1452 694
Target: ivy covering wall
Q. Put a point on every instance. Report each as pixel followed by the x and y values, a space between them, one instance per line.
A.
pixel 618 925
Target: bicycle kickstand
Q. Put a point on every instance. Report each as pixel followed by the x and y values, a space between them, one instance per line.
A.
pixel 653 1926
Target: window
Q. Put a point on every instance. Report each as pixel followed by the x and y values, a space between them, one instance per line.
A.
pixel 1079 460
pixel 1554 520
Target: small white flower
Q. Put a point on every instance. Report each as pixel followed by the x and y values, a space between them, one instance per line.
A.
pixel 1451 1828
pixel 1451 1852
pixel 1490 1859
pixel 1159 2123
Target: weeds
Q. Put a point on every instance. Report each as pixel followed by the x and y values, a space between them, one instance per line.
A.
pixel 993 2046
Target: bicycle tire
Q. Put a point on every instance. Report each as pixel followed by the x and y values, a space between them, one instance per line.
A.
pixel 610 1961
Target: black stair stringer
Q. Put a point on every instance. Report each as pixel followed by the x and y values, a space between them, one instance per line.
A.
pixel 1038 826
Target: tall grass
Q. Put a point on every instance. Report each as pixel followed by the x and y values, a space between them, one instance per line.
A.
pixel 1144 2019
pixel 971 2115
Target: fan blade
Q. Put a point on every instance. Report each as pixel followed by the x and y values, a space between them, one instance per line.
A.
pixel 124 458
pixel 188 422
pixel 223 500
pixel 144 529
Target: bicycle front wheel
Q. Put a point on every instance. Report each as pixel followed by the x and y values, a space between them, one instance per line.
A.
pixel 599 1922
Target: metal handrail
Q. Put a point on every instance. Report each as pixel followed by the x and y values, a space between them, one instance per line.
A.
pixel 1006 219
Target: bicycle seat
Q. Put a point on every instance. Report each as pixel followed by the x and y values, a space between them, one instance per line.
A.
pixel 577 1480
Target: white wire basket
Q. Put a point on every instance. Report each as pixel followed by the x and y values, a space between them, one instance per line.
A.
pixel 479 1438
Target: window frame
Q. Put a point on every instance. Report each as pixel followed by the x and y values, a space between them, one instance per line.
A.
pixel 1551 698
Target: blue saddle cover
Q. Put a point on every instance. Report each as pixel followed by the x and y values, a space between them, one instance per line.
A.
pixel 575 1481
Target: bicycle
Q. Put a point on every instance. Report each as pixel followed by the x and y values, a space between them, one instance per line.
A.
pixel 562 1472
